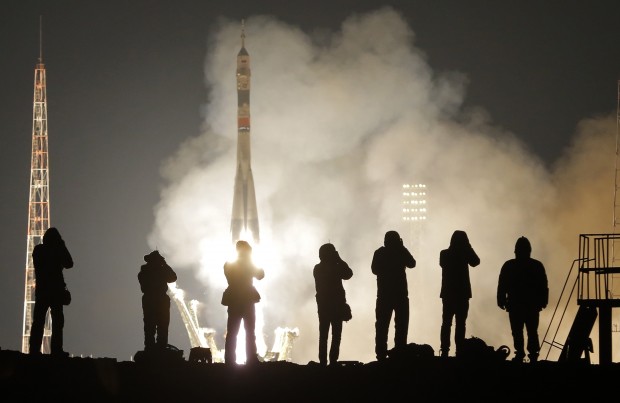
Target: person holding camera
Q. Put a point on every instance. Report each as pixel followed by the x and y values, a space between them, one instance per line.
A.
pixel 241 297
pixel 331 300
pixel 455 289
pixel 389 263
pixel 154 277
pixel 49 259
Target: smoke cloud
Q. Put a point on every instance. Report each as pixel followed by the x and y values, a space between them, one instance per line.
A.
pixel 340 121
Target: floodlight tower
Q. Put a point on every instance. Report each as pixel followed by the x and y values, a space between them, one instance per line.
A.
pixel 414 212
pixel 39 201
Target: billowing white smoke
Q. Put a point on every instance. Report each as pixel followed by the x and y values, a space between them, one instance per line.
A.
pixel 339 124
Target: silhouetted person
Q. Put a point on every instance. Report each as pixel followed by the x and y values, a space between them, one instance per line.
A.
pixel 49 259
pixel 154 277
pixel 455 289
pixel 241 296
pixel 522 290
pixel 330 299
pixel 389 263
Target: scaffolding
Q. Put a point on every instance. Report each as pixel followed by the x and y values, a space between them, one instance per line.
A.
pixel 590 287
pixel 595 286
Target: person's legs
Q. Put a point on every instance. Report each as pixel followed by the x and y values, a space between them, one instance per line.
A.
pixel 163 321
pixel 38 323
pixel 401 322
pixel 232 329
pixel 516 327
pixel 249 324
pixel 383 313
pixel 461 311
pixel 447 314
pixel 58 324
pixel 150 320
pixel 531 327
pixel 334 351
pixel 323 336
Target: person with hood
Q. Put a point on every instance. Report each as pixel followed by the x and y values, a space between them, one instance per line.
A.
pixel 455 289
pixel 154 277
pixel 523 291
pixel 330 299
pixel 389 263
pixel 240 297
pixel 49 259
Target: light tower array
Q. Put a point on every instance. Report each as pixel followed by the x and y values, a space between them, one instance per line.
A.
pixel 39 201
pixel 414 211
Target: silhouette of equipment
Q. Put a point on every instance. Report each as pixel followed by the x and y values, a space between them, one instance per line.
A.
pixel 412 352
pixel 474 349
pixel 200 354
pixel 66 296
pixel 578 342
pixel 157 355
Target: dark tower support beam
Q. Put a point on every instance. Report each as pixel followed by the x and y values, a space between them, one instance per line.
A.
pixel 604 327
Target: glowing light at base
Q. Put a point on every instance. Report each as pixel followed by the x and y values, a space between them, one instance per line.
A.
pixel 214 252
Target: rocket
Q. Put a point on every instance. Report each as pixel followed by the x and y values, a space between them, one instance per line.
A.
pixel 244 221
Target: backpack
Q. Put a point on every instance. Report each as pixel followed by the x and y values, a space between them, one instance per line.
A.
pixel 474 348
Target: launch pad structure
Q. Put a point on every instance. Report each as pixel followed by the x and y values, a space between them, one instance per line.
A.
pixel 595 285
pixel 39 201
pixel 591 286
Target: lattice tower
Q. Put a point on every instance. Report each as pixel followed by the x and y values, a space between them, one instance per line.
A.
pixel 39 201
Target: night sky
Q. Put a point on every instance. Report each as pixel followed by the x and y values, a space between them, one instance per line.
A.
pixel 136 89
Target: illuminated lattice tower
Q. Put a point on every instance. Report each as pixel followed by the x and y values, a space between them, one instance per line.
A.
pixel 38 206
pixel 414 214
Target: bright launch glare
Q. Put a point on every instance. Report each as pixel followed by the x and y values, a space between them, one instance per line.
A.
pixel 339 123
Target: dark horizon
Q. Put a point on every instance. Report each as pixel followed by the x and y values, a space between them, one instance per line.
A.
pixel 429 379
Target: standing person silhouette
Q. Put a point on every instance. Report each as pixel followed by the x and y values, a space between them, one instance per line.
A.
pixel 523 291
pixel 241 296
pixel 455 289
pixel 389 263
pixel 49 259
pixel 154 277
pixel 330 299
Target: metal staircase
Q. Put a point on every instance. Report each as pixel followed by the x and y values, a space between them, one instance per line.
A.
pixel 590 288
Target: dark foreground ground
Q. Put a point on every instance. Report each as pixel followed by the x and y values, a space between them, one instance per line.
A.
pixel 46 378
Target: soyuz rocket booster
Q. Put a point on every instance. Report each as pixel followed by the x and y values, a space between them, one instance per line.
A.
pixel 244 222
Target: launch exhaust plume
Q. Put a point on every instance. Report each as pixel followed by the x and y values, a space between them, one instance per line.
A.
pixel 339 124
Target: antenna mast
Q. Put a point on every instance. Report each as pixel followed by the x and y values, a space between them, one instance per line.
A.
pixel 40 39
